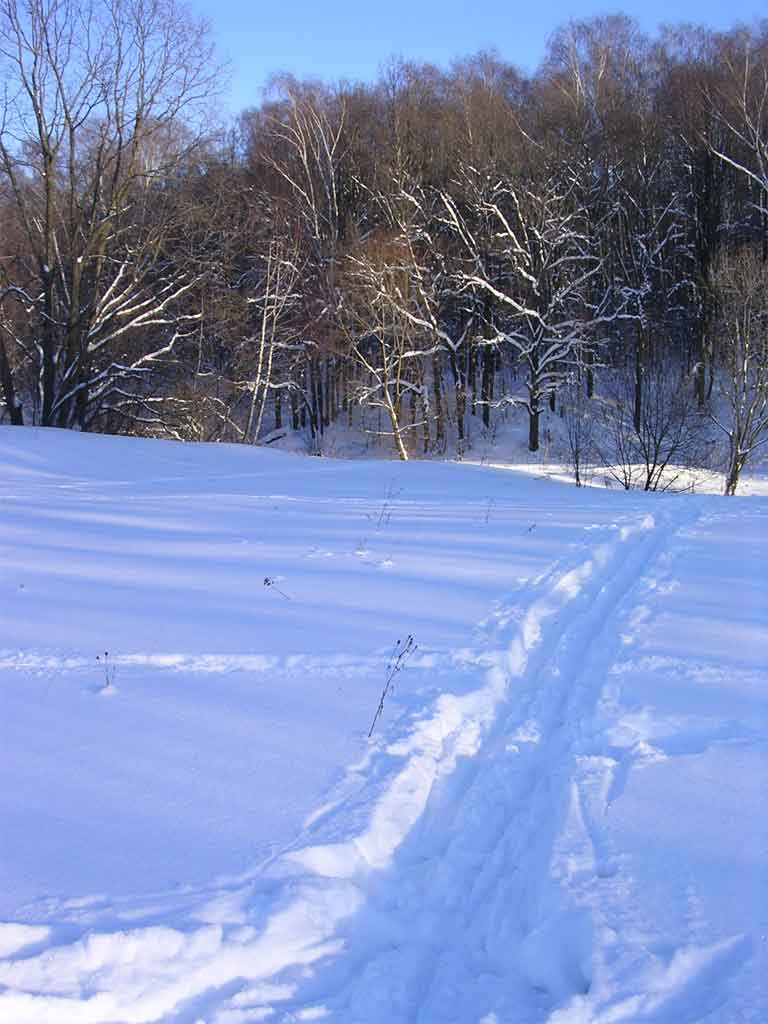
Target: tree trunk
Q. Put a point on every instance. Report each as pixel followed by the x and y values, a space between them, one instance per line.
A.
pixel 310 403
pixel 735 465
pixel 472 377
pixel 461 396
pixel 317 399
pixel 489 363
pixel 326 396
pixel 396 432
pixel 437 390
pixel 9 393
pixel 534 401
pixel 533 426
pixel 703 357
pixel 640 354
pixel 333 391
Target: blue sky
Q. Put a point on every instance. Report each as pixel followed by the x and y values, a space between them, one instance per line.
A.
pixel 350 39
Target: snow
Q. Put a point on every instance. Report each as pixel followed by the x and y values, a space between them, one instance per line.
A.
pixel 560 816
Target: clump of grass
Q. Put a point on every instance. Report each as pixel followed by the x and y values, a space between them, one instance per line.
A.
pixel 384 516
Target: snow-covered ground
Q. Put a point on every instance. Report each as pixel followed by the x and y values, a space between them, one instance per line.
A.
pixel 561 816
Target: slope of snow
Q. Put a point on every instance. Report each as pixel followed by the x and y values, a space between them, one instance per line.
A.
pixel 560 816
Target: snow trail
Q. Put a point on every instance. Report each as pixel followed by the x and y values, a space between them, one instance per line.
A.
pixel 477 888
pixel 433 940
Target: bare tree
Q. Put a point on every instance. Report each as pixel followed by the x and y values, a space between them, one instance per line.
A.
pixel 384 337
pixel 580 428
pixel 535 273
pixel 649 237
pixel 300 140
pixel 91 145
pixel 739 102
pixel 740 285
pixel 274 296
pixel 652 452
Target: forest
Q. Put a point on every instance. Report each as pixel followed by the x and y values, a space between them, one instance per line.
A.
pixel 412 258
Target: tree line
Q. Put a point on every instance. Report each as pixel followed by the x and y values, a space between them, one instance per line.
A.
pixel 412 257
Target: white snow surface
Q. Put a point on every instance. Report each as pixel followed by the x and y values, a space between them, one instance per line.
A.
pixel 561 815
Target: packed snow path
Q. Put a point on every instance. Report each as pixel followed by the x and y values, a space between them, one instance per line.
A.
pixel 569 827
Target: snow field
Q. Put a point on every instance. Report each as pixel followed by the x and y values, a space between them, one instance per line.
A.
pixel 557 819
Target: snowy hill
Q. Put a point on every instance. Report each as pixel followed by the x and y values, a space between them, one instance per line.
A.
pixel 560 816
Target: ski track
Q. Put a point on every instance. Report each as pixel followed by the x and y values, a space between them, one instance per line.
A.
pixel 483 838
pixel 466 880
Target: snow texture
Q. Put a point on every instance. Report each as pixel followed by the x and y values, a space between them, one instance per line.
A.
pixel 560 816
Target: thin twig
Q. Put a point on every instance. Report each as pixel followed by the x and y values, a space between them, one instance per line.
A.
pixel 400 654
pixel 272 584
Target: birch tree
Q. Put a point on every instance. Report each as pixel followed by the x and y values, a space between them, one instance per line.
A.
pixel 383 337
pixel 739 103
pixel 275 296
pixel 402 283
